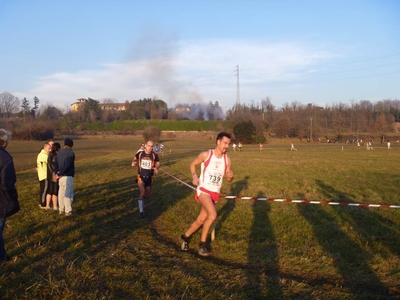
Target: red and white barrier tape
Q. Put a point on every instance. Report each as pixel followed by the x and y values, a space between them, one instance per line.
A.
pixel 177 179
pixel 313 202
pixel 293 201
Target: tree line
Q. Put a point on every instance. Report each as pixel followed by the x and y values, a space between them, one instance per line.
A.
pixel 340 121
pixel 257 121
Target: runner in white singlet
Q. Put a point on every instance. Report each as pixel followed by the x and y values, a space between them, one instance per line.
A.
pixel 215 164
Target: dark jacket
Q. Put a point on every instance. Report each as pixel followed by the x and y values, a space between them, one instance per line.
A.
pixel 9 204
pixel 50 166
pixel 64 164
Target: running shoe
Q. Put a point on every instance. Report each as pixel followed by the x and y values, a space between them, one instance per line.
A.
pixel 203 251
pixel 184 243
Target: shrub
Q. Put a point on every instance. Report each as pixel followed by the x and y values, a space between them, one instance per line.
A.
pixel 34 131
pixel 152 133
pixel 245 132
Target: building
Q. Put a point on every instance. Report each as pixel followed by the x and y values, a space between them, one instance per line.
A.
pixel 182 109
pixel 76 106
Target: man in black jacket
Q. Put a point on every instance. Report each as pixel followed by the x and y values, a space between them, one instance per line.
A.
pixel 8 194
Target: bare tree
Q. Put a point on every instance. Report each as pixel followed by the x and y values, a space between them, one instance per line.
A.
pixel 8 104
pixel 92 116
pixel 282 126
pixel 108 100
pixel 268 110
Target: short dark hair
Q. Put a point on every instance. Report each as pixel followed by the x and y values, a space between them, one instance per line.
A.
pixel 55 147
pixel 68 142
pixel 223 134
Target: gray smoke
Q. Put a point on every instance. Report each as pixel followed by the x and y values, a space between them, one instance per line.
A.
pixel 199 111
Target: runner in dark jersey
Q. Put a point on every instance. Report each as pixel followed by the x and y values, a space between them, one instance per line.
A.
pixel 148 163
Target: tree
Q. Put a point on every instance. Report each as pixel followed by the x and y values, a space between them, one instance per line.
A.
pixel 91 110
pixel 35 106
pixel 50 112
pixel 245 131
pixel 380 124
pixel 26 108
pixel 8 104
pixel 152 133
pixel 282 126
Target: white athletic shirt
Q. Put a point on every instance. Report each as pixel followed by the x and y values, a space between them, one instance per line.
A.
pixel 212 172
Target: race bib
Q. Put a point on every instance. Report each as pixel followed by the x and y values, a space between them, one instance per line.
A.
pixel 214 178
pixel 145 164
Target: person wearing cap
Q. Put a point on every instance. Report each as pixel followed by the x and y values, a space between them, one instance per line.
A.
pixel 64 168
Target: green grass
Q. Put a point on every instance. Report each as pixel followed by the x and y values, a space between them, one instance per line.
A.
pixel 164 125
pixel 262 249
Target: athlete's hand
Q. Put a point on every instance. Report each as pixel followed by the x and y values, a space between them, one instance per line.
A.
pixel 195 180
pixel 229 176
pixel 155 170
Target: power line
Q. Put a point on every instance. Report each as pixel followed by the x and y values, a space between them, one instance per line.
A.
pixel 360 61
pixel 372 75
pixel 359 69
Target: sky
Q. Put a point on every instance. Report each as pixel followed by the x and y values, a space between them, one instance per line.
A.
pixel 319 52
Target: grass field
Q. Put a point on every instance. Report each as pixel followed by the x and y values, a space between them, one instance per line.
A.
pixel 262 250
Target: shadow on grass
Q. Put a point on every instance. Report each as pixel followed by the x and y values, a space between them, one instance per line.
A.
pixel 349 257
pixel 263 284
pixel 229 206
pixel 101 232
pixel 371 225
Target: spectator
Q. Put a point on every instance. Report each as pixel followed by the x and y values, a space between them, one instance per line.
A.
pixel 52 190
pixel 64 168
pixel 9 204
pixel 41 167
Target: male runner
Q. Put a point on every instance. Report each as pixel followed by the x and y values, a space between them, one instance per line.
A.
pixel 148 164
pixel 214 165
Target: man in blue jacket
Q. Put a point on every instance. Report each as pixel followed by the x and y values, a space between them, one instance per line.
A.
pixel 9 204
pixel 64 168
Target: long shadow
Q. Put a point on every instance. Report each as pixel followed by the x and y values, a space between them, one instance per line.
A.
pixel 230 204
pixel 263 270
pixel 352 263
pixel 368 222
pixel 94 217
pixel 106 218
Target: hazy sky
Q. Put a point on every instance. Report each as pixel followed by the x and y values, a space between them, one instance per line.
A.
pixel 319 52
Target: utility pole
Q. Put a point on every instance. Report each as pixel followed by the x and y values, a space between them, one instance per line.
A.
pixel 237 88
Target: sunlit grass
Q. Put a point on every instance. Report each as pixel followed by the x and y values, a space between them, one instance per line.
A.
pixel 262 249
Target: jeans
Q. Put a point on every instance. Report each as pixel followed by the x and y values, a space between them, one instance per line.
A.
pixel 3 252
